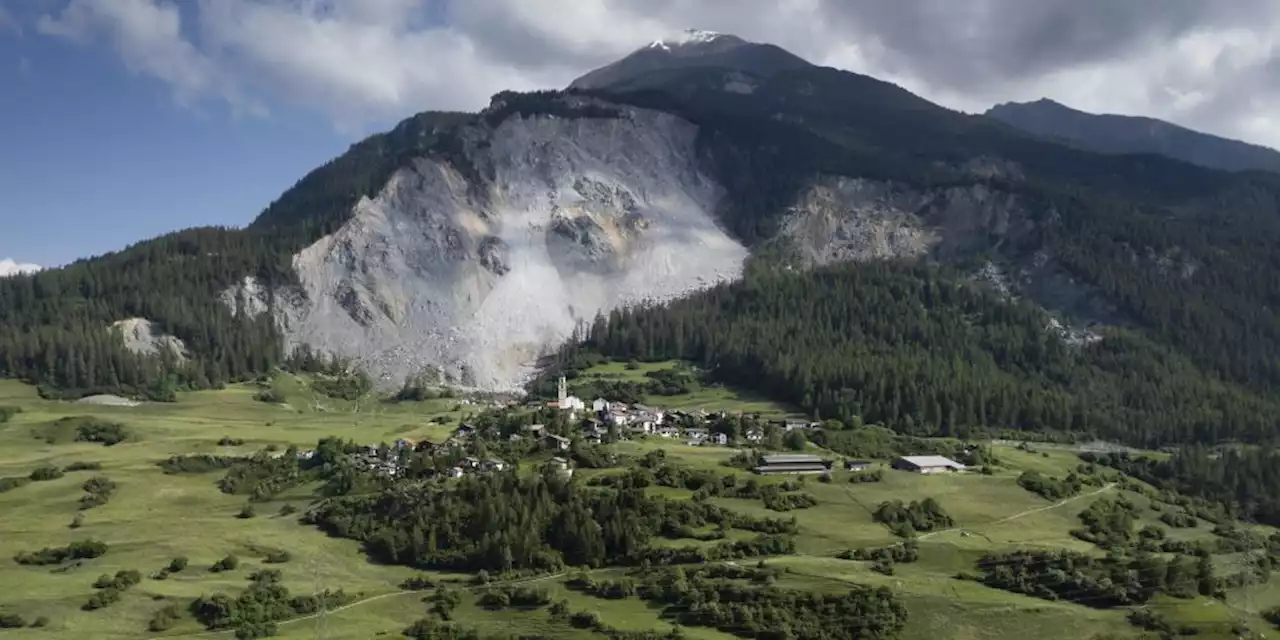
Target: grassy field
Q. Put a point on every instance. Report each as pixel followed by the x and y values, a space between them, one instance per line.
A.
pixel 153 517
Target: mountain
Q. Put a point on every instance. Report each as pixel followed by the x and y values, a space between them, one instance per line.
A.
pixel 472 245
pixel 9 267
pixel 692 48
pixel 1106 133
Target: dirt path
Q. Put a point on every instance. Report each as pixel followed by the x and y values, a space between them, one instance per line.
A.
pixel 1025 513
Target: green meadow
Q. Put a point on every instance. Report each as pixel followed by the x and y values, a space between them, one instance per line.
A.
pixel 152 518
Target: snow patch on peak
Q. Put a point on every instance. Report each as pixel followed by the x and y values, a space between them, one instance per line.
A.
pixel 686 37
pixel 9 267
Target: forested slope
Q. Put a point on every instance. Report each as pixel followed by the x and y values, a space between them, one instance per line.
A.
pixel 925 352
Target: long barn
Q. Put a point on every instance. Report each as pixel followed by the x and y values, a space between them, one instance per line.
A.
pixel 798 463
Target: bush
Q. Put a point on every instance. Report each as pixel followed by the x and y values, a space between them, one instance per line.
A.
pixel 98 490
pixel 8 412
pixel 121 581
pixel 194 464
pixel 12 621
pixel 165 618
pixel 106 433
pixel 417 583
pixel 247 512
pixel 83 466
pixel 585 620
pixel 226 441
pixel 9 484
pixel 177 564
pixel 102 599
pixel 82 549
pixel 229 563
pixel 77 521
pixel 278 556
pixel 288 510
pixel 45 472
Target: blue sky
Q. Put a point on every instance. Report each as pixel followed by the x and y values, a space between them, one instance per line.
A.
pixel 124 119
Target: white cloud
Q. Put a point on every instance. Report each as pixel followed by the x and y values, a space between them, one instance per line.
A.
pixel 360 60
pixel 9 267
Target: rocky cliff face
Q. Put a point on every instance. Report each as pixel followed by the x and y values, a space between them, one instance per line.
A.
pixel 479 276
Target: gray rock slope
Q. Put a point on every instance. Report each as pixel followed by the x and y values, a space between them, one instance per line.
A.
pixel 581 215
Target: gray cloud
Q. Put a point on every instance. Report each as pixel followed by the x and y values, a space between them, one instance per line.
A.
pixel 1204 64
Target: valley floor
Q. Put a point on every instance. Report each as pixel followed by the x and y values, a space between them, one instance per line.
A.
pixel 153 517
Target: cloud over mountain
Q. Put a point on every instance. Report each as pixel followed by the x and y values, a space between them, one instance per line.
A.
pixel 1205 65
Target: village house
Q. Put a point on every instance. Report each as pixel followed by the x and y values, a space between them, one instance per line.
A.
pixel 927 464
pixel 426 446
pixel 641 427
pixel 668 431
pixel 463 432
pixel 719 439
pixel 456 472
pixel 618 418
pixel 755 436
pixel 599 405
pixel 553 441
pixel 493 464
pixel 696 434
pixel 535 430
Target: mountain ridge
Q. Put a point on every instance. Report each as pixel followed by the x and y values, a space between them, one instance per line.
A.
pixel 809 166
pixel 1113 133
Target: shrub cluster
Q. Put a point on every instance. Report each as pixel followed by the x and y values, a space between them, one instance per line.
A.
pixel 106 433
pixel 906 519
pixel 110 588
pixel 98 490
pixel 45 472
pixel 82 549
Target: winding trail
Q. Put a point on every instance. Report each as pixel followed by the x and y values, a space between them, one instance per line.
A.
pixel 1024 513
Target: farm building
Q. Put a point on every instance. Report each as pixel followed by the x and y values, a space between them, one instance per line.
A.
pixel 857 465
pixel 927 464
pixel 792 464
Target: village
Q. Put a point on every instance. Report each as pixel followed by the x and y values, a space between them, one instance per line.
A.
pixel 604 422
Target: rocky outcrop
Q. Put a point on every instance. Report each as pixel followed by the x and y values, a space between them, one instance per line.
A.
pixel 141 336
pixel 480 278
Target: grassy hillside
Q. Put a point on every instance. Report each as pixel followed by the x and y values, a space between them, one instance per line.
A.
pixel 153 517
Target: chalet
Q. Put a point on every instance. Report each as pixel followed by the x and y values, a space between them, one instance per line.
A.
pixel 553 441
pixel 464 431
pixel 668 431
pixel 796 463
pixel 755 436
pixel 426 446
pixel 560 465
pixel 641 426
pixel 535 430
pixel 927 464
pixel 697 433
pixel 599 405
pixel 593 438
pixel 718 439
pixel 857 465
pixel 469 462
pixel 456 472
pixel 618 418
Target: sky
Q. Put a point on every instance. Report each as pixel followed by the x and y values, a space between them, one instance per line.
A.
pixel 121 120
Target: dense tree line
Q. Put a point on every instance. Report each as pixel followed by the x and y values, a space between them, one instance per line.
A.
pixel 1242 482
pixel 256 610
pixel 1050 487
pixel 926 354
pixel 693 598
pixel 1111 581
pixel 502 522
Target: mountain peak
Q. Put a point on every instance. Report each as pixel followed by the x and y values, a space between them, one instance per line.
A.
pixel 688 37
pixel 692 48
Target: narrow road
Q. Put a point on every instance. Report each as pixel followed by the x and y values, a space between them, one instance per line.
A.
pixel 1025 513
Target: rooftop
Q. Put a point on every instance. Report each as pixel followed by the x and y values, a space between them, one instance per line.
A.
pixel 932 461
pixel 791 459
